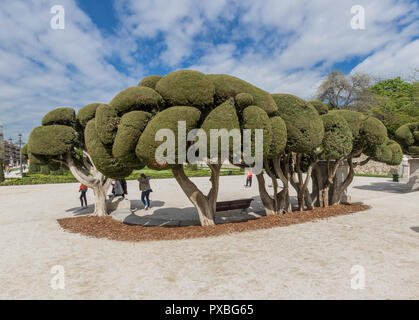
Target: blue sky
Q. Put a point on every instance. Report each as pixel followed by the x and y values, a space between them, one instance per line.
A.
pixel 280 46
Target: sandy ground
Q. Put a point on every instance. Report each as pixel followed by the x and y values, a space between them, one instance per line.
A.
pixel 307 261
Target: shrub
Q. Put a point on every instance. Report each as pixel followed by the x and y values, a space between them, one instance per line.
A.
pixel 51 140
pixel 229 87
pixel 63 116
pixel 106 122
pixel 186 88
pixel 130 129
pixel 87 113
pixel 321 107
pixel 150 81
pixel 304 126
pixel 137 98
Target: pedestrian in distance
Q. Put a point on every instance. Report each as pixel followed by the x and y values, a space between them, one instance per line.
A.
pixel 249 178
pixel 144 184
pixel 83 190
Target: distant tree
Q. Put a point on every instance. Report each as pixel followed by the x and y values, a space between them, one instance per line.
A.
pixel 395 102
pixel 342 91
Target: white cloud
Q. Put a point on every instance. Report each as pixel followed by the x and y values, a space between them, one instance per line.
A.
pixel 279 45
pixel 42 68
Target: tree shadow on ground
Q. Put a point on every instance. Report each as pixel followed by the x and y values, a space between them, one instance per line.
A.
pixel 79 211
pixel 188 216
pixel 416 229
pixel 393 187
pixel 137 204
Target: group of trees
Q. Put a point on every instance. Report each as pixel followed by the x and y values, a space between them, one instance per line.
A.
pixel 107 141
pixel 393 101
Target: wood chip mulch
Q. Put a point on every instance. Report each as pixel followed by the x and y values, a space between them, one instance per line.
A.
pixel 109 228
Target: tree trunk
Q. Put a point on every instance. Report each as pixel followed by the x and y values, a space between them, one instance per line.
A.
pixel 100 201
pixel 302 184
pixel 205 205
pixel 269 203
pixel 338 190
pixel 92 179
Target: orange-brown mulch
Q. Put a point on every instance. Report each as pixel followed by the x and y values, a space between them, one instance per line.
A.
pixel 107 227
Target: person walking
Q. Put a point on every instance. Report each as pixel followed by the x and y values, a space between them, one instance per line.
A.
pixel 83 190
pixel 118 191
pixel 144 182
pixel 124 187
pixel 249 178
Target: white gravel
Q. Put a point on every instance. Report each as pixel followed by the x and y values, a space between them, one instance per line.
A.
pixel 307 261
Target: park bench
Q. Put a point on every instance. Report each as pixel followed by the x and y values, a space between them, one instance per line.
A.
pixel 242 204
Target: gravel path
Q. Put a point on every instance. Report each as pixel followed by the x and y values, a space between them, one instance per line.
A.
pixel 307 261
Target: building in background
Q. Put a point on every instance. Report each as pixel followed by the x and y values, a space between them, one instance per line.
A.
pixel 9 151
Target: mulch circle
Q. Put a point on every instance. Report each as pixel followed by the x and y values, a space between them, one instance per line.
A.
pixel 109 228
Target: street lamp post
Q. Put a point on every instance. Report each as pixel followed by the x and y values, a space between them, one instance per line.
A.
pixel 11 153
pixel 20 155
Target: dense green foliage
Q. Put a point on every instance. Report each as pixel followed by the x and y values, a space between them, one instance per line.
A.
pixel 137 98
pixel 304 126
pixel 408 137
pixel 102 154
pixel 222 117
pixel 321 107
pixel 64 116
pixel 150 81
pixel 228 87
pixel 337 140
pixel 186 88
pixel 389 152
pixel 255 118
pixel 167 119
pixel 87 113
pixel 244 100
pixel 279 137
pixel 52 140
pixel 354 120
pixel 395 103
pixel 106 122
pixel 130 128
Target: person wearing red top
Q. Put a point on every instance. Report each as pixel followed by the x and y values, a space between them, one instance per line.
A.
pixel 249 178
pixel 83 190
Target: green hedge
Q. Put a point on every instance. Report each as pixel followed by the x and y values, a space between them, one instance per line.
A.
pixel 37 178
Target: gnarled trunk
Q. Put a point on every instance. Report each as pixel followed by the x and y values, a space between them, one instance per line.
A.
pixel 279 202
pixel 204 204
pixel 93 179
pixel 301 184
pixel 269 203
pixel 324 177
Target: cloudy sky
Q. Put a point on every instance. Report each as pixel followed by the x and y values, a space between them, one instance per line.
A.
pixel 279 45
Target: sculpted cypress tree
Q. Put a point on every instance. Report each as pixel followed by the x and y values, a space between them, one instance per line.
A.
pixel 60 139
pixel 336 145
pixel 121 135
pixel 305 133
pixel 408 137
pixel 369 137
